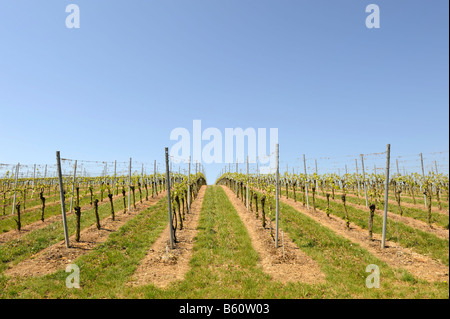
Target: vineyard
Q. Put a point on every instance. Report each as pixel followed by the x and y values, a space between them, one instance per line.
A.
pixel 85 229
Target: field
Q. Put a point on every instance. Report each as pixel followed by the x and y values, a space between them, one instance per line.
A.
pixel 224 158
pixel 224 237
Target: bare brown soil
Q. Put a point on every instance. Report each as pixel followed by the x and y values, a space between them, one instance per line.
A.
pixel 286 263
pixel 394 255
pixel 58 256
pixel 162 266
pixel 47 204
pixel 418 224
pixel 405 204
pixel 419 206
pixel 15 234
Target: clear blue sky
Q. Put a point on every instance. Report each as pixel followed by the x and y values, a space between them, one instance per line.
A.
pixel 135 70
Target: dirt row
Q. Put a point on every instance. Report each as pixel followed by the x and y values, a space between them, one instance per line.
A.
pixel 162 266
pixel 57 202
pixel 47 204
pixel 418 224
pixel 286 263
pixel 405 204
pixel 14 234
pixel 57 256
pixel 394 255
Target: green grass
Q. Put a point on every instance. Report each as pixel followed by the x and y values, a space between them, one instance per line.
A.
pixel 413 212
pixel 36 201
pixel 17 250
pixel 406 198
pixel 407 236
pixel 103 269
pixel 8 222
pixel 224 263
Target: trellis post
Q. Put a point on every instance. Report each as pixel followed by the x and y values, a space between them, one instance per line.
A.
pixel 62 196
pixel 168 197
pixel 277 159
pixel 364 179
pixel 15 187
pixel 306 181
pixel 73 185
pixel 386 194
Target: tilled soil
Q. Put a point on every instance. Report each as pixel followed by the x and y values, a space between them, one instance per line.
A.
pixel 58 256
pixel 15 234
pixel 418 224
pixel 405 204
pixel 394 255
pixel 162 266
pixel 37 208
pixel 288 264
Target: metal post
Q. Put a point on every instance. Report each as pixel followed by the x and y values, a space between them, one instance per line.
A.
pixel 237 171
pixel 306 182
pixel 15 187
pixel 195 188
pixel 115 175
pixel 154 178
pixel 398 171
pixel 129 186
pixel 168 197
pixel 317 183
pixel 189 186
pixel 364 179
pixel 247 185
pixel 73 185
pixel 357 176
pixel 277 158
pixel 34 179
pixel 386 194
pixel 61 194
pixel 423 175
